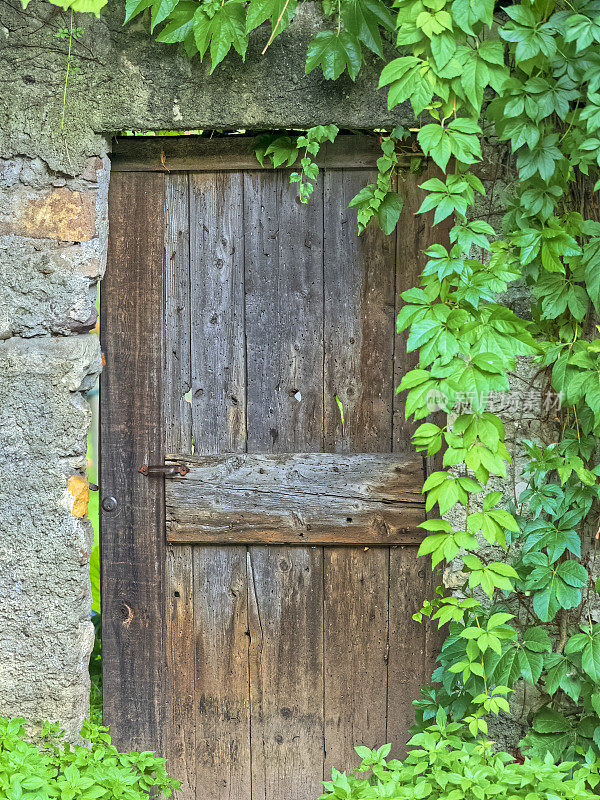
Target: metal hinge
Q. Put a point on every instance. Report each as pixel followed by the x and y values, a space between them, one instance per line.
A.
pixel 157 470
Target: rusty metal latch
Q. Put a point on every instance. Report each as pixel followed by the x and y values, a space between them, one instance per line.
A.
pixel 157 470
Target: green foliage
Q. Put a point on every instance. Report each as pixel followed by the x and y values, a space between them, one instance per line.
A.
pixel 443 763
pixel 84 6
pixel 216 27
pixel 96 672
pixel 540 72
pixel 380 201
pixel 287 150
pixel 57 769
pixel 335 52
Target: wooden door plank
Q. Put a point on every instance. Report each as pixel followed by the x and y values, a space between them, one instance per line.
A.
pixel 248 521
pixel 181 674
pixel 389 477
pixel 178 368
pixel 284 299
pixel 223 758
pixel 193 154
pixel 179 589
pixel 133 541
pixel 285 608
pixel 356 648
pixel 413 645
pixel 217 301
pixel 299 498
pixel 284 319
pixel 223 755
pixel 359 303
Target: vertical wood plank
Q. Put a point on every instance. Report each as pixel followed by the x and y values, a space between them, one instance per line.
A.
pixel 133 549
pixel 181 674
pixel 284 322
pixel 223 758
pixel 286 658
pixel 358 369
pixel 179 590
pixel 178 368
pixel 359 321
pixel 415 646
pixel 284 299
pixel 217 292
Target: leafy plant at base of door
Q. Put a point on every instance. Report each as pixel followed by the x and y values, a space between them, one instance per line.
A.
pixel 526 609
pixel 442 765
pixel 56 769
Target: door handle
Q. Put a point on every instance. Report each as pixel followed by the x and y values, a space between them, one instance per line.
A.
pixel 157 470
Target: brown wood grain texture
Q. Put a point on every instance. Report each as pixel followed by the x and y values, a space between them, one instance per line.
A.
pixel 284 654
pixel 181 698
pixel 133 546
pixel 284 302
pixel 217 302
pixel 222 707
pixel 390 477
pixel 222 702
pixel 193 154
pixel 359 319
pixel 180 695
pixel 300 498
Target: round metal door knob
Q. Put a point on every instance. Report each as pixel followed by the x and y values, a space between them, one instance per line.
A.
pixel 109 504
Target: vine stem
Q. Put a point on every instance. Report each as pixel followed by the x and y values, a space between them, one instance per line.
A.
pixel 274 31
pixel 485 686
pixel 64 103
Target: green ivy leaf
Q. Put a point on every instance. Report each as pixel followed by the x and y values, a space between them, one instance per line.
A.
pixel 279 12
pixel 363 18
pixel 180 23
pixel 334 52
pixel 389 211
pixel 224 30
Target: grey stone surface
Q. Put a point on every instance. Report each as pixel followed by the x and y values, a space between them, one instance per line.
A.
pixel 124 81
pixel 53 237
pixel 45 601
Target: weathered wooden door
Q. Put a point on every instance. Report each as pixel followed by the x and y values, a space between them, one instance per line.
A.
pixel 257 611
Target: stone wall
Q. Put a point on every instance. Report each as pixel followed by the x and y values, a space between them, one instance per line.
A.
pixel 53 233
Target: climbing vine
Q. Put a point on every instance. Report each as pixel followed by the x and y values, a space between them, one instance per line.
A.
pixel 525 74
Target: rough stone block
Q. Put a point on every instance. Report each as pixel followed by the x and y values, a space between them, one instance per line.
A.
pixel 63 214
pixel 128 81
pixel 45 598
pixel 49 284
pixel 47 287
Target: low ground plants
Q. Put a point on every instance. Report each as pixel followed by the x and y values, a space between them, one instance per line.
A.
pixel 53 768
pixel 443 764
